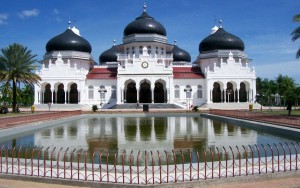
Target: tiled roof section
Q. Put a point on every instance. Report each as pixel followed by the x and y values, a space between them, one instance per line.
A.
pixel 187 73
pixel 102 73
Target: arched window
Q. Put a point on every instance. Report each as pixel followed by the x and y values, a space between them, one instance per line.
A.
pixel 188 92
pixel 102 92
pixel 199 91
pixel 149 50
pixel 177 91
pixel 141 50
pixel 162 51
pixel 91 92
pixel 113 92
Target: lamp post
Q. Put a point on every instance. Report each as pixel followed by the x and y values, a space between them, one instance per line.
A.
pixel 102 96
pixel 188 90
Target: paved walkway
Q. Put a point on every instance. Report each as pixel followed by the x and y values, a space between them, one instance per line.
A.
pixel 292 182
pixel 284 120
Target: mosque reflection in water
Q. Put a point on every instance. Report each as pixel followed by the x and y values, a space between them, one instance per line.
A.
pixel 134 134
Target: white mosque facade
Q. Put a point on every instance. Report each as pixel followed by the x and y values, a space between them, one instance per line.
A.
pixel 145 69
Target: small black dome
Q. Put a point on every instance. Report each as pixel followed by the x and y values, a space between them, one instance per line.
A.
pixel 109 55
pixel 221 40
pixel 68 40
pixel 145 24
pixel 180 54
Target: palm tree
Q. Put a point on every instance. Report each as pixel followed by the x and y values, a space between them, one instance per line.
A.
pixel 296 33
pixel 18 65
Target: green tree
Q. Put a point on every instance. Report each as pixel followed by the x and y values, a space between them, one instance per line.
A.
pixel 283 85
pixel 27 95
pixel 18 65
pixel 296 33
pixel 6 93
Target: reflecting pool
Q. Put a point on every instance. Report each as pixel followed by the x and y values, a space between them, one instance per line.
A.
pixel 144 133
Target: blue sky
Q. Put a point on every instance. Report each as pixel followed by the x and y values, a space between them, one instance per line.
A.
pixel 265 26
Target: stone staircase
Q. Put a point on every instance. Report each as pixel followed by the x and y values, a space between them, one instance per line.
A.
pixel 151 106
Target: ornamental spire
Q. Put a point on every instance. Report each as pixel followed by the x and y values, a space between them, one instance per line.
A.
pixel 220 22
pixel 145 7
pixel 114 42
pixel 175 42
pixel 69 24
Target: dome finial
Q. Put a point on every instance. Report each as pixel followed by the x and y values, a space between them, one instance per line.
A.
pixel 215 28
pixel 69 24
pixel 220 22
pixel 114 42
pixel 145 7
pixel 175 42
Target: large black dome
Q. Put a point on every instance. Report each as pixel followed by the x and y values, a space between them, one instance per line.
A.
pixel 109 55
pixel 145 24
pixel 180 54
pixel 68 40
pixel 221 40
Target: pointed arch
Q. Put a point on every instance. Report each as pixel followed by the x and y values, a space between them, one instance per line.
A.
pixel 145 92
pixel 47 93
pixel 73 94
pixel 60 94
pixel 160 92
pixel 216 93
pixel 130 91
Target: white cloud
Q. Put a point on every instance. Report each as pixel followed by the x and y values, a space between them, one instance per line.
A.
pixel 3 18
pixel 55 11
pixel 29 13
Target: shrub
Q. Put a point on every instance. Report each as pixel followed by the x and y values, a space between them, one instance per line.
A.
pixel 94 108
pixel 195 108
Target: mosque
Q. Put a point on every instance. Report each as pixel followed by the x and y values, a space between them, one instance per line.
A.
pixel 145 69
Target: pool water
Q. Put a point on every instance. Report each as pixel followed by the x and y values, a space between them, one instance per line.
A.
pixel 131 134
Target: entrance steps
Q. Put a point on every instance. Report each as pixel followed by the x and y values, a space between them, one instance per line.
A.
pixel 151 105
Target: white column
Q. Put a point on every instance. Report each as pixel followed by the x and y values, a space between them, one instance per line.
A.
pixel 79 96
pixel 152 95
pixel 225 95
pixel 238 95
pixel 168 95
pixel 138 94
pixel 222 96
pixel 66 93
pixel 42 97
pixel 120 97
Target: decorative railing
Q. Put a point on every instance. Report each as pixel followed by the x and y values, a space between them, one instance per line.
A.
pixel 149 167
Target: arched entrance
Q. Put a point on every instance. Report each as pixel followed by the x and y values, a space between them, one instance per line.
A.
pixel 243 92
pixel 73 94
pixel 159 93
pixel 145 93
pixel 230 93
pixel 216 93
pixel 47 94
pixel 131 93
pixel 60 98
